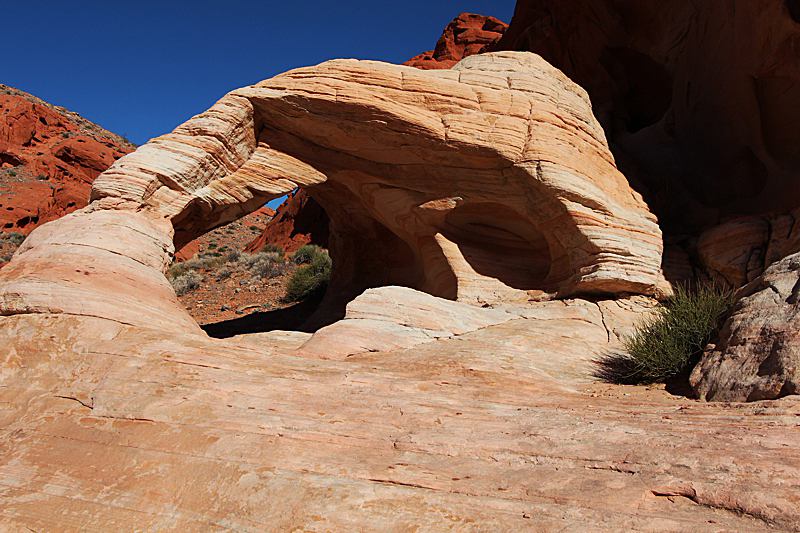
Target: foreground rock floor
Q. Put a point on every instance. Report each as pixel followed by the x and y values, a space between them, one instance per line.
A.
pixel 489 428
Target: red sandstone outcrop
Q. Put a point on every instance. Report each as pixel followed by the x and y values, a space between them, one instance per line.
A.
pixel 468 34
pixel 758 357
pixel 49 158
pixel 298 220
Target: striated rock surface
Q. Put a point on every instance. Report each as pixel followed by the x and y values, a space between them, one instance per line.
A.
pixel 113 427
pixel 464 184
pixel 758 355
pixel 737 251
pixel 699 100
pixel 118 413
pixel 468 34
pixel 298 220
pixel 48 160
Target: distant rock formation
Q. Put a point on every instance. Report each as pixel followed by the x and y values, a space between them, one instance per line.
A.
pixel 468 34
pixel 48 160
pixel 298 220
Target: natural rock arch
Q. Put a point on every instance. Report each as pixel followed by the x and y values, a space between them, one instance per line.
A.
pixel 479 183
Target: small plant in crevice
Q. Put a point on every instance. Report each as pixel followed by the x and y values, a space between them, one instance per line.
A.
pixel 310 280
pixel 669 342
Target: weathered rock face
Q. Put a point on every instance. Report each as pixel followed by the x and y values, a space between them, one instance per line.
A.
pixel 48 158
pixel 758 357
pixel 737 251
pixel 117 428
pixel 298 220
pixel 445 181
pixel 468 34
pixel 124 415
pixel 700 100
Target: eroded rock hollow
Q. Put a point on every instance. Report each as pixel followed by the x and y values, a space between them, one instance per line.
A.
pixel 480 183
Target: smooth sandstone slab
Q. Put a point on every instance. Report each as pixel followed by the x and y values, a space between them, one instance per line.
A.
pixel 145 430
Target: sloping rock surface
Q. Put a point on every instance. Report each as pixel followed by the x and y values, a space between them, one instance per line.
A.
pixel 759 354
pixel 113 427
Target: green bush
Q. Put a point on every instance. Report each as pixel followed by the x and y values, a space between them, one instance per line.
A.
pixel 306 254
pixel 271 248
pixel 311 280
pixel 16 238
pixel 670 342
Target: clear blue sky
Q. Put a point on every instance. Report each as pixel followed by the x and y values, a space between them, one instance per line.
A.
pixel 141 68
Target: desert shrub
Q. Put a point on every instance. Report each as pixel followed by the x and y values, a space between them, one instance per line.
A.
pixel 212 245
pixel 216 261
pixel 195 263
pixel 223 273
pixel 254 228
pixel 669 342
pixel 311 280
pixel 233 256
pixel 306 254
pixel 271 248
pixel 186 282
pixel 264 265
pixel 16 238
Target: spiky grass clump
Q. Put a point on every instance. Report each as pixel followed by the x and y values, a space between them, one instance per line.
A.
pixel 311 280
pixel 669 342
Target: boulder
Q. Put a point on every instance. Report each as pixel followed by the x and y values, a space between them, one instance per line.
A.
pixel 758 354
pixel 468 34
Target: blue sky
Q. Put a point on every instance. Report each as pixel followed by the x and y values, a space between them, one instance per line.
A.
pixel 141 68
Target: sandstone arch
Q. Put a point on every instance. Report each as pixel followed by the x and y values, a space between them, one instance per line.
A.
pixel 425 175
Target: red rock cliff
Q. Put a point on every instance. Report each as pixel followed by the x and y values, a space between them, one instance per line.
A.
pixel 48 160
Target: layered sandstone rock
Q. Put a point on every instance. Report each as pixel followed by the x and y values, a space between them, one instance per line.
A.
pixel 118 428
pixel 118 413
pixel 48 160
pixel 757 357
pixel 737 251
pixel 468 34
pixel 700 100
pixel 463 184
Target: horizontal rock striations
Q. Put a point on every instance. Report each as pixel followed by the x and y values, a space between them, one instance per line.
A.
pixel 479 184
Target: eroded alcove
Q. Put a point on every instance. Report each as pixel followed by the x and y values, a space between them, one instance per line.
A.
pixel 480 183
